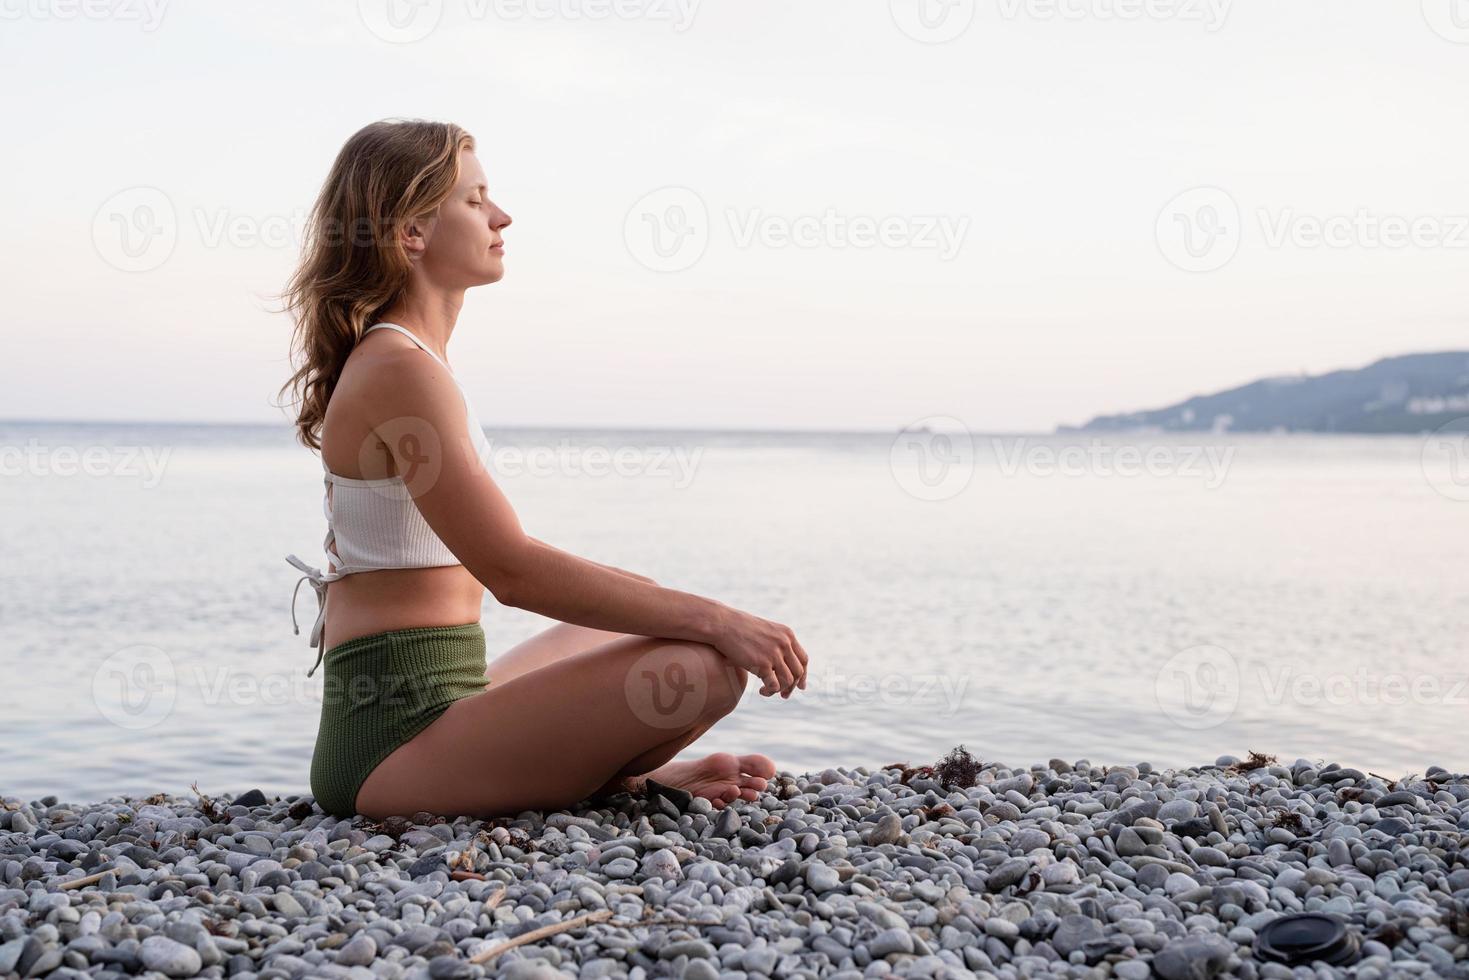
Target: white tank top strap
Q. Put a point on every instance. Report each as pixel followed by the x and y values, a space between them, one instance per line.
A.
pixel 413 337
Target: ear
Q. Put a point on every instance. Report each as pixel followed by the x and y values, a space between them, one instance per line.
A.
pixel 414 236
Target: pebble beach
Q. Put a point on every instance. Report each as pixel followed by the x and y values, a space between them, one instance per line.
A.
pixel 978 869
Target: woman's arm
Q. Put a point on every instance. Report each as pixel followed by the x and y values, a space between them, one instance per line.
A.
pixel 610 568
pixel 469 513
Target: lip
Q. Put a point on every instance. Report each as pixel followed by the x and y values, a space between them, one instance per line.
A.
pixel 498 248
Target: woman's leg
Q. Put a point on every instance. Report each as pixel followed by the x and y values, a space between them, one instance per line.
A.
pixel 556 643
pixel 554 736
pixel 566 639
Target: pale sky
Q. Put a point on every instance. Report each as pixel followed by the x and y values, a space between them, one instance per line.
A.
pixel 1021 159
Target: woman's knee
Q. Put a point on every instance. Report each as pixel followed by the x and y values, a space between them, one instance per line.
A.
pixel 726 681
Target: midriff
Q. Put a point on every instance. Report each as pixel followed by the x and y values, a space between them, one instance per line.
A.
pixel 400 598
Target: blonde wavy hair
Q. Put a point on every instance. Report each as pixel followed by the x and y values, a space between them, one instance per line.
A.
pixel 353 264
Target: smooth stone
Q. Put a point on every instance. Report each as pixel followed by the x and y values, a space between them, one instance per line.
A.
pixel 1194 958
pixel 1074 932
pixel 169 957
pixel 890 941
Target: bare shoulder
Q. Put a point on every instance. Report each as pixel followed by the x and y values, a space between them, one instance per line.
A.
pixel 389 389
pixel 387 376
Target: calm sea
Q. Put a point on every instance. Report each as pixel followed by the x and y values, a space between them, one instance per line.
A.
pixel 1168 599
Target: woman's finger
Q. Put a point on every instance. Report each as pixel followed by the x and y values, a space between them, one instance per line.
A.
pixel 783 672
pixel 797 669
pixel 805 661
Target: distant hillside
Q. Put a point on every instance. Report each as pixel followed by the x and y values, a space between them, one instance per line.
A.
pixel 1412 393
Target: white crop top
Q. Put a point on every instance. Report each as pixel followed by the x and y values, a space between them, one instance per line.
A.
pixel 374 524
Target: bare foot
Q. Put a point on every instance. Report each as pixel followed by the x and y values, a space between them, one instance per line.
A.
pixel 720 778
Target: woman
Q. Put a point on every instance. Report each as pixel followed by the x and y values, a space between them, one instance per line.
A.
pixel 412 718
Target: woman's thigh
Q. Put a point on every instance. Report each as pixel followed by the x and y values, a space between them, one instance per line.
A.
pixel 549 645
pixel 551 737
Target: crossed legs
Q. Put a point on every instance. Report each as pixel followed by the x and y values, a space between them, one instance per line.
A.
pixel 569 715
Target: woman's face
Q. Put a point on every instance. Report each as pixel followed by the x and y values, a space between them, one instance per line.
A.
pixel 460 245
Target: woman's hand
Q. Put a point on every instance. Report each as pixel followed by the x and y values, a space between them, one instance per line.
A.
pixel 766 649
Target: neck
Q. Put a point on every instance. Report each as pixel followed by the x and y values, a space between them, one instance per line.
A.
pixel 430 314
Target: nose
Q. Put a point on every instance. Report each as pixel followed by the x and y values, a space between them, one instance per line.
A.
pixel 499 219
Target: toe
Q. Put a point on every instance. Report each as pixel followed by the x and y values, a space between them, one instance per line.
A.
pixel 756 764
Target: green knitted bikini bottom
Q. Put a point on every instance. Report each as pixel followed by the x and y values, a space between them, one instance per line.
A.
pixel 378 692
